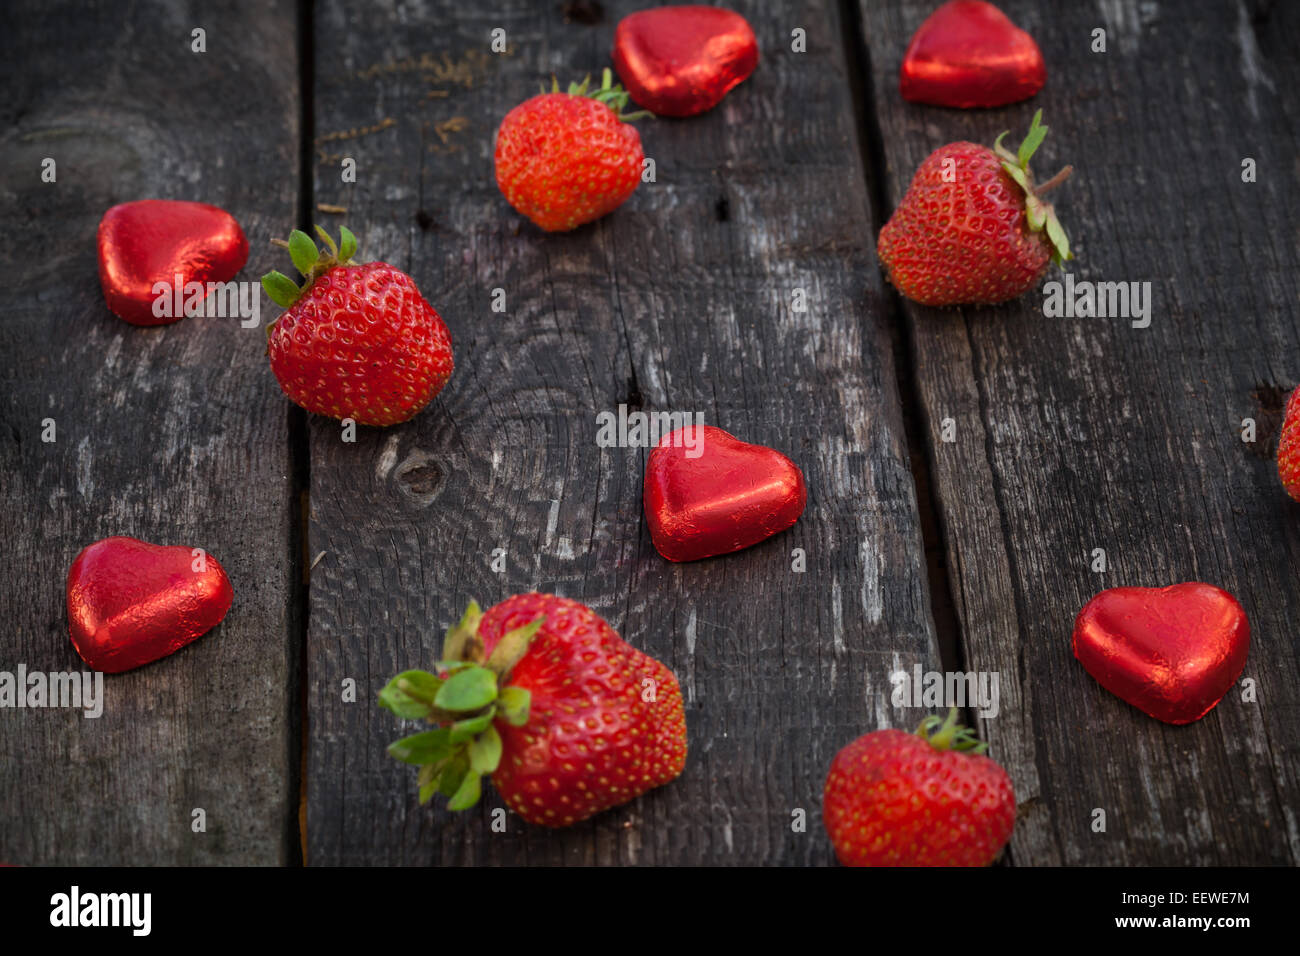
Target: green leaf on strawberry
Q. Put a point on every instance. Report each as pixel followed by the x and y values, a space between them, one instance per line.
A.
pixel 453 774
pixel 326 238
pixel 347 243
pixel 429 777
pixel 422 748
pixel 283 291
pixel 467 794
pixel 1060 244
pixel 463 730
pixel 303 251
pixel 411 694
pixel 459 637
pixel 1038 212
pixel 470 689
pixel 1033 139
pixel 485 751
pixel 514 703
pixel 512 646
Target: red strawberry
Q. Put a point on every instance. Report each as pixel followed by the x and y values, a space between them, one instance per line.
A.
pixel 542 694
pixel 564 159
pixel 924 799
pixel 1288 447
pixel 356 341
pixel 973 227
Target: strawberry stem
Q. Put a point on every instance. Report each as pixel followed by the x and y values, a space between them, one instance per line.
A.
pixel 949 734
pixel 1044 188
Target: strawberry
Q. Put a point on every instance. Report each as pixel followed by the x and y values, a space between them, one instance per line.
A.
pixel 564 159
pixel 543 695
pixel 924 799
pixel 1288 447
pixel 973 227
pixel 356 341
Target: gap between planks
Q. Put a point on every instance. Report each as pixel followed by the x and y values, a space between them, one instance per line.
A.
pixel 920 451
pixel 300 458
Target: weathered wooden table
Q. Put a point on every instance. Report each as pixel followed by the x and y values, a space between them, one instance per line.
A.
pixel 349 559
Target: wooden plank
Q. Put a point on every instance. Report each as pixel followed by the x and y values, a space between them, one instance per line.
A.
pixel 175 434
pixel 680 301
pixel 1076 434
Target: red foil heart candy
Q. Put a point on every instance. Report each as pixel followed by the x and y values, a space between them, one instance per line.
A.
pixel 707 493
pixel 131 602
pixel 967 53
pixel 149 241
pixel 679 61
pixel 1171 652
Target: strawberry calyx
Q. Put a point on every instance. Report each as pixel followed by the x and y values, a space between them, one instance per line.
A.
pixel 950 735
pixel 610 93
pixel 311 261
pixel 1039 212
pixel 469 692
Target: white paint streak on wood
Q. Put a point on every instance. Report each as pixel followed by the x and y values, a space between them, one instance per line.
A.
pixel 85 459
pixel 837 615
pixel 1252 67
pixel 387 458
pixel 872 598
pixel 690 634
pixel 1123 23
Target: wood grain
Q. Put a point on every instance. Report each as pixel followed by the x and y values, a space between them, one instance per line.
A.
pixel 1076 434
pixel 682 300
pixel 1071 434
pixel 175 434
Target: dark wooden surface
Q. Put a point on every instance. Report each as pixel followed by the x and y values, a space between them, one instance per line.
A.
pixel 176 434
pixel 1072 434
pixel 1076 434
pixel 668 305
